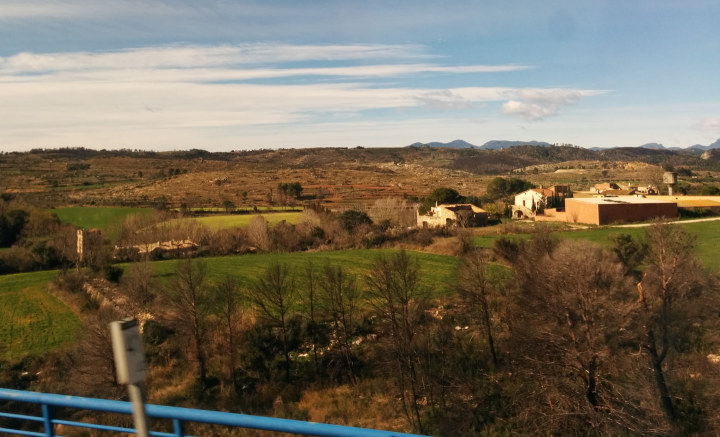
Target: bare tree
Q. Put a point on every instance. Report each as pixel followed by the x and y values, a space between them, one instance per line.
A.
pixel 93 360
pixel 274 295
pixel 258 232
pixel 138 286
pixel 311 305
pixel 464 218
pixel 342 302
pixel 479 293
pixel 397 295
pixel 670 292
pixel 572 318
pixel 228 302
pixel 391 210
pixel 188 306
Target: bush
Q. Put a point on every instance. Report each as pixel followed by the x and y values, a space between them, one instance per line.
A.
pixel 353 219
pixel 507 249
pixel 70 281
pixel 710 190
pixel 112 273
pixel 441 196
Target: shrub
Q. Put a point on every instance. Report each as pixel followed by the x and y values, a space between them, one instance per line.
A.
pixel 353 219
pixel 70 281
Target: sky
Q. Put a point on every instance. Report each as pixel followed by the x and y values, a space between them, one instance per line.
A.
pixel 234 75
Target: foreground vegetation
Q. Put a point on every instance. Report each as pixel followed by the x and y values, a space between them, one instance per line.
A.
pixel 569 338
pixel 34 322
pixel 708 244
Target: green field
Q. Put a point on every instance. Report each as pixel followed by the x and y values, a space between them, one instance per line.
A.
pixel 708 249
pixel 241 220
pixel 96 217
pixel 32 321
pixel 438 271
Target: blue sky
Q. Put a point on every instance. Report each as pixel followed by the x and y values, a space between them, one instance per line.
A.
pixel 229 75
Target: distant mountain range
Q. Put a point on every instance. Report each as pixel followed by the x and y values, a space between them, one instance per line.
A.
pixel 715 145
pixel 490 145
pixel 658 146
pixel 502 144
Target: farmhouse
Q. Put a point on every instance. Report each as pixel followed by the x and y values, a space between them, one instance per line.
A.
pixel 599 188
pixel 606 210
pixel 462 215
pixel 527 202
pixel 173 246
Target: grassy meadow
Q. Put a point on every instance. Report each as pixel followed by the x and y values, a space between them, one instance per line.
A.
pixel 32 321
pixel 438 271
pixel 242 220
pixel 708 248
pixel 96 217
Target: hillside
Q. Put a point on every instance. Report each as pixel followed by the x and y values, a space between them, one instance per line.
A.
pixel 337 176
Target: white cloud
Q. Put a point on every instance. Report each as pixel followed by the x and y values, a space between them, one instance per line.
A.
pixel 537 104
pixel 710 124
pixel 446 99
pixel 211 56
pixel 161 97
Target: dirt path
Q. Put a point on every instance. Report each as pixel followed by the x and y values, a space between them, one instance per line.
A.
pixel 643 225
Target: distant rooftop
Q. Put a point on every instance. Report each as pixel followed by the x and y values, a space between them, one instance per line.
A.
pixel 616 200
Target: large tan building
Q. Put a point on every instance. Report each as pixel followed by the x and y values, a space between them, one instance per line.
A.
pixel 606 210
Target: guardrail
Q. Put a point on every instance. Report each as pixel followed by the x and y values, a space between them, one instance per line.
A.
pixel 178 416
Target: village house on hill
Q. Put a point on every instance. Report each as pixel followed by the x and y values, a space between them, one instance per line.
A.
pixel 462 215
pixel 599 188
pixel 527 202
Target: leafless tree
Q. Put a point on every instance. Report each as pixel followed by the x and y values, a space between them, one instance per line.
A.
pixel 397 295
pixel 342 303
pixel 391 210
pixel 228 303
pixel 479 293
pixel 310 299
pixel 573 316
pixel 258 232
pixel 138 285
pixel 275 296
pixel 92 360
pixel 188 301
pixel 464 218
pixel 670 294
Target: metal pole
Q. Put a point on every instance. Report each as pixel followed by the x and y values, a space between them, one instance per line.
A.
pixel 138 406
pixel 47 421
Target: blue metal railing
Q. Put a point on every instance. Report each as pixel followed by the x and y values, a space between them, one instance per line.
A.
pixel 177 415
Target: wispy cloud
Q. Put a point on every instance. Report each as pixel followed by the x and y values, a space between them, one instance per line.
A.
pixel 154 96
pixel 446 99
pixel 204 56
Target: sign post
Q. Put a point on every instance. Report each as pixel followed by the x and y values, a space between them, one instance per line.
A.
pixel 131 367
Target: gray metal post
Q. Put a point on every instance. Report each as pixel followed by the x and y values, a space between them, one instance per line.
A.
pixel 131 367
pixel 139 417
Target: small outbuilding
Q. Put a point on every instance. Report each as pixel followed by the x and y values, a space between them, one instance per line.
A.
pixel 462 215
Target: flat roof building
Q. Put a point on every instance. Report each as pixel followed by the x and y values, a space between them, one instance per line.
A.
pixel 606 210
